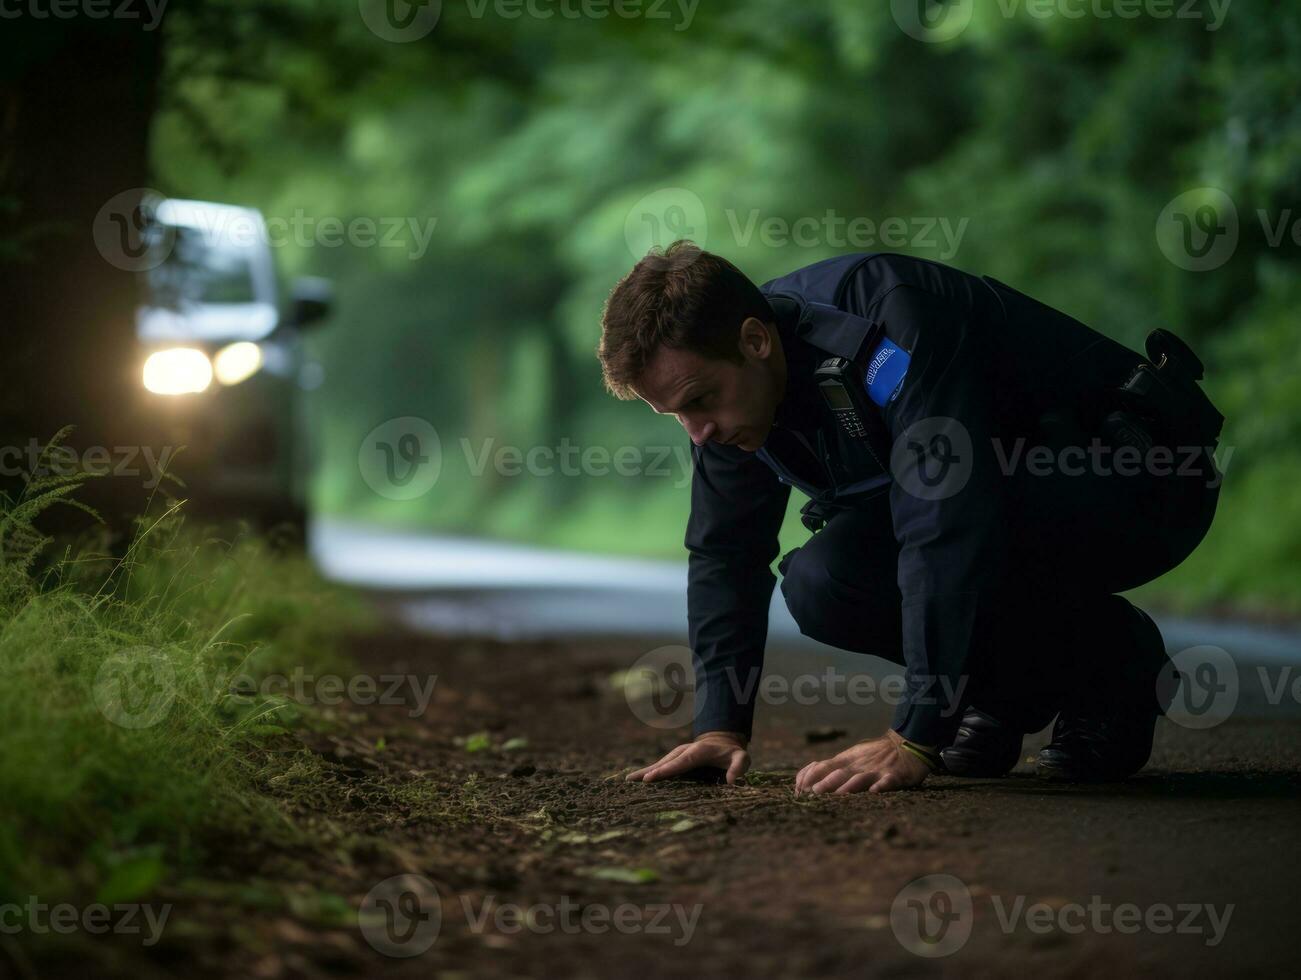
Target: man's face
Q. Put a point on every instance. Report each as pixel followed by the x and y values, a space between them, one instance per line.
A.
pixel 718 400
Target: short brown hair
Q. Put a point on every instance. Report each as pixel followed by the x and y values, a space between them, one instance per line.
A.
pixel 683 298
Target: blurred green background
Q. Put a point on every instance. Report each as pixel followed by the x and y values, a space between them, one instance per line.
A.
pixel 552 151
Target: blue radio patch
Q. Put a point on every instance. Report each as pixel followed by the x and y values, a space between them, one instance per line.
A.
pixel 885 372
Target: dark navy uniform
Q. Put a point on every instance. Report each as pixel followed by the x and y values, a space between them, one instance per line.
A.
pixel 937 544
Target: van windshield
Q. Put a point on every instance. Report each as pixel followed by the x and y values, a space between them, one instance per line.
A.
pixel 199 269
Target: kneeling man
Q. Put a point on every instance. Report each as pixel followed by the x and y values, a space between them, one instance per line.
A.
pixel 984 474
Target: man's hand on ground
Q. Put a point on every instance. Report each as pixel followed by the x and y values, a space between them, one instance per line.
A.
pixel 720 750
pixel 878 765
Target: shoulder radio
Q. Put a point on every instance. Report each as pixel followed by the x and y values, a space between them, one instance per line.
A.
pixel 852 391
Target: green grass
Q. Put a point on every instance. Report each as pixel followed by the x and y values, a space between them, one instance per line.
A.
pixel 125 754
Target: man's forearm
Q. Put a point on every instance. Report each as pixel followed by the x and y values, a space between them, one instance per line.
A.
pixel 727 607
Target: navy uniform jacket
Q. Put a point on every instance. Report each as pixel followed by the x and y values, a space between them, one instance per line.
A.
pixel 977 352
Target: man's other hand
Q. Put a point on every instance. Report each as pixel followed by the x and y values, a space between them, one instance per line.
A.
pixel 878 765
pixel 718 750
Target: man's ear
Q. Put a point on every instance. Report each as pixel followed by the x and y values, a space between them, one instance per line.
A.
pixel 755 339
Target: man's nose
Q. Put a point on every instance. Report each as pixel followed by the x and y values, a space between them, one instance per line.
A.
pixel 700 433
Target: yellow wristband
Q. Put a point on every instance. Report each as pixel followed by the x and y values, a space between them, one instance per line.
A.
pixel 931 758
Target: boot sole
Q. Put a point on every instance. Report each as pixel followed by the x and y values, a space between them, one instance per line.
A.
pixel 1064 774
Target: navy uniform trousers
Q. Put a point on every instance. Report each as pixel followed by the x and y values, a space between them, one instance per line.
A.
pixel 1059 637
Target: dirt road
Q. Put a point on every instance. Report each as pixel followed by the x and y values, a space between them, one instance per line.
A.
pixel 504 799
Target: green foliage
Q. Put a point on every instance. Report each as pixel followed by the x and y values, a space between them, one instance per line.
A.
pixel 125 748
pixel 1058 141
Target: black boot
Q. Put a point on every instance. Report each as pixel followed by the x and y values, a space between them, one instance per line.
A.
pixel 1101 738
pixel 1098 748
pixel 984 748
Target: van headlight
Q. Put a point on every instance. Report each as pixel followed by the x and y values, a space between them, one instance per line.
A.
pixel 178 371
pixel 237 362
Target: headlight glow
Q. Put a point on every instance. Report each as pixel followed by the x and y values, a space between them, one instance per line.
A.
pixel 177 371
pixel 237 362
